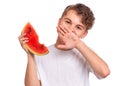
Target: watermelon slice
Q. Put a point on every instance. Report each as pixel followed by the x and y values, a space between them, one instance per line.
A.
pixel 33 45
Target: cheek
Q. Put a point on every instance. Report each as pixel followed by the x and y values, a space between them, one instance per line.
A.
pixel 64 25
pixel 78 33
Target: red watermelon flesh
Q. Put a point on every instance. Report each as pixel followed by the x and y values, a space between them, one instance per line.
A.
pixel 33 45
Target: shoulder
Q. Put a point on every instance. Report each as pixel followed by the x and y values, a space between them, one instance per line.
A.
pixel 51 47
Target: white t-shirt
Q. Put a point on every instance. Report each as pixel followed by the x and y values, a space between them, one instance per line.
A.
pixel 62 68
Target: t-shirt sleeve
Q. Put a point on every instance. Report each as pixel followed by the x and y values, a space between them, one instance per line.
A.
pixel 37 67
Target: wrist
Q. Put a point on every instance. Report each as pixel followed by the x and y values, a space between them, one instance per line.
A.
pixel 30 56
pixel 80 45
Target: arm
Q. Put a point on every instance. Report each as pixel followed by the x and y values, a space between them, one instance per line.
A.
pixel 71 40
pixel 31 78
pixel 98 65
pixel 31 73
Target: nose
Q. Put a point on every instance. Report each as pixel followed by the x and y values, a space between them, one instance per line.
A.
pixel 72 28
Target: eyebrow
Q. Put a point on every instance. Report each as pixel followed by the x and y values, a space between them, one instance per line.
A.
pixel 81 25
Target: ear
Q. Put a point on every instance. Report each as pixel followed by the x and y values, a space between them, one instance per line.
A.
pixel 84 34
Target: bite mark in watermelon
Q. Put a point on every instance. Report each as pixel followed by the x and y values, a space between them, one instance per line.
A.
pixel 33 45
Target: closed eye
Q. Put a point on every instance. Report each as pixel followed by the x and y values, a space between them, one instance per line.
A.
pixel 67 22
pixel 78 27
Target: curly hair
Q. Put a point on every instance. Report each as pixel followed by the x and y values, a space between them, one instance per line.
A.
pixel 81 9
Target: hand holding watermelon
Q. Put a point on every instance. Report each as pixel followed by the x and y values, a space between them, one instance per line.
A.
pixel 30 42
pixel 23 41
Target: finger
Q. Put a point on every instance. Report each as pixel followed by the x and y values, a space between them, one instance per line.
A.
pixel 63 29
pixel 23 39
pixel 61 46
pixel 23 43
pixel 66 30
pixel 60 32
pixel 21 36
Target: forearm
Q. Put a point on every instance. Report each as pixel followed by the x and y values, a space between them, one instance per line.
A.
pixel 97 64
pixel 31 73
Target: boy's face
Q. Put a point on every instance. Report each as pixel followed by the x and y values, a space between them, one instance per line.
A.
pixel 73 22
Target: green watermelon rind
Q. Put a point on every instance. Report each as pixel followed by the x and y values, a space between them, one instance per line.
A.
pixel 33 52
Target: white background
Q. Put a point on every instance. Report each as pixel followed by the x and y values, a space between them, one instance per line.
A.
pixel 43 15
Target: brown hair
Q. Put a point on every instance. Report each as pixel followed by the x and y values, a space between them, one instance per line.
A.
pixel 81 9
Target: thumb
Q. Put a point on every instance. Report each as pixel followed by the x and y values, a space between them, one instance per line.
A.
pixel 61 46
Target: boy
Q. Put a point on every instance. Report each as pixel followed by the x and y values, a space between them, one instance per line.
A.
pixel 69 60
